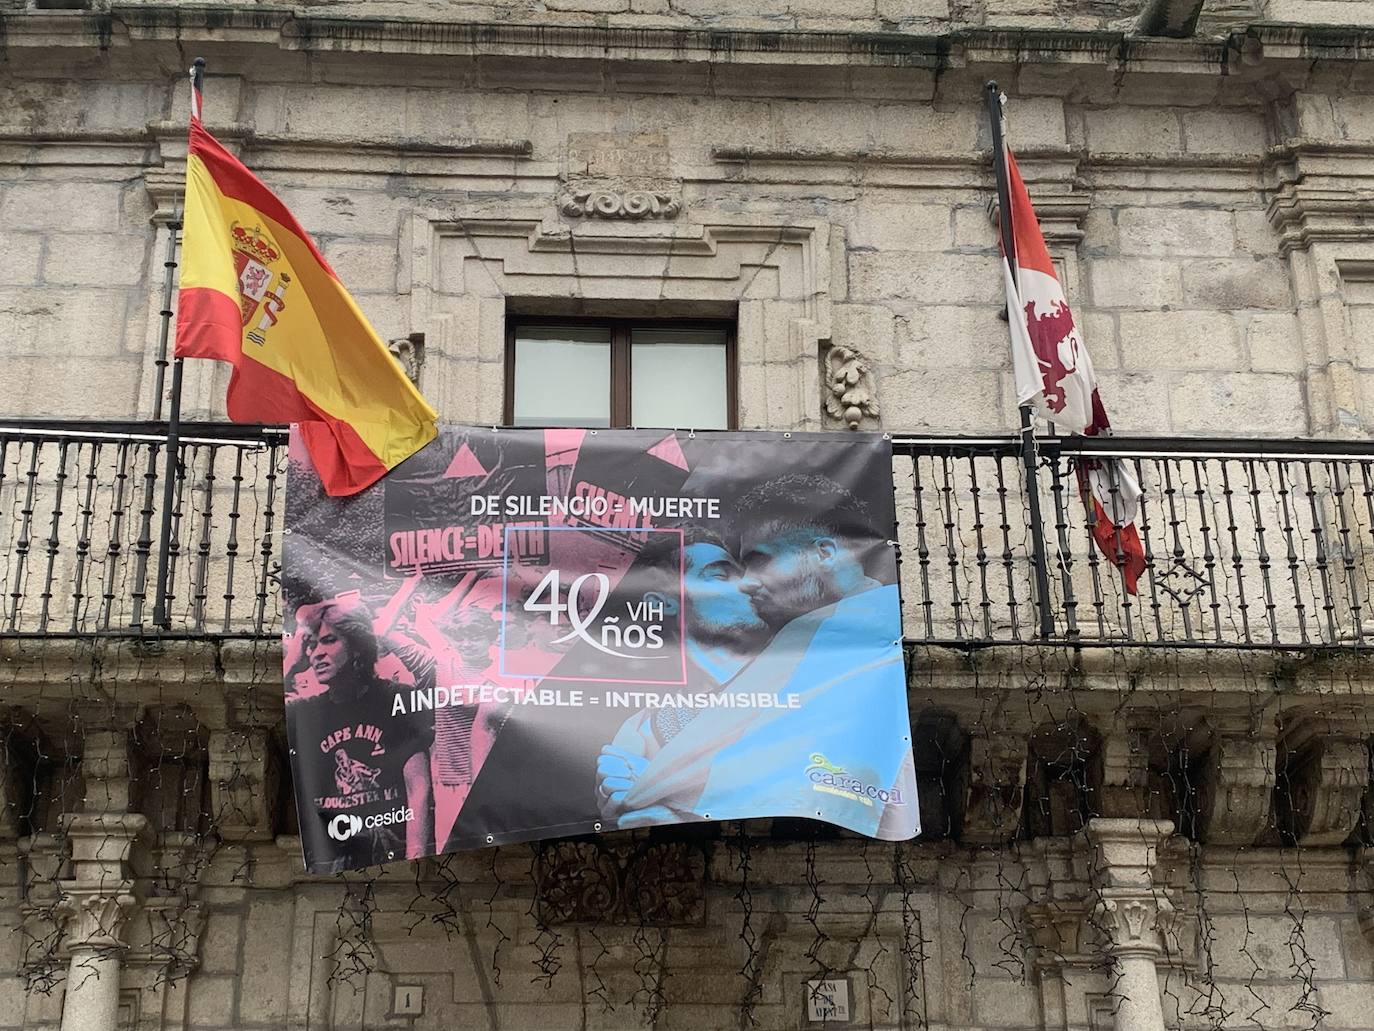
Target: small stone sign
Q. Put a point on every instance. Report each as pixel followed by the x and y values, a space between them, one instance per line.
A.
pixel 827 1002
pixel 619 176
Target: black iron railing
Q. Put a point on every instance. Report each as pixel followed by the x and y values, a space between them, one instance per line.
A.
pixel 1259 544
pixel 1262 544
pixel 80 512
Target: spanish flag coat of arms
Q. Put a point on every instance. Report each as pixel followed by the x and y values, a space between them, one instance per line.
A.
pixel 257 293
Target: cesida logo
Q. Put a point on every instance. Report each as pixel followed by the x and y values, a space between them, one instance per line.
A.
pixel 345 825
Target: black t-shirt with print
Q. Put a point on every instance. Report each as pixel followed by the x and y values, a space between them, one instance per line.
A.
pixel 349 761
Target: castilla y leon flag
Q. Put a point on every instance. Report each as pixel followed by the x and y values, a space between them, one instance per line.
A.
pixel 1055 375
pixel 258 294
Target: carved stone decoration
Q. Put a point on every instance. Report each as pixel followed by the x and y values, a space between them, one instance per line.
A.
pixel 1321 786
pixel 165 933
pixel 850 393
pixel 1236 796
pixel 1056 928
pixel 244 780
pixel 1134 913
pixel 995 789
pixel 409 352
pixel 94 919
pixel 619 176
pixel 585 201
pixel 625 882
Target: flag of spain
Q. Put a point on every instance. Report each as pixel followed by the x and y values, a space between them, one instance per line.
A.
pixel 258 294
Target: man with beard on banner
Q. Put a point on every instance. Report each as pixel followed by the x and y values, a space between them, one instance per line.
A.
pixel 723 633
pixel 806 551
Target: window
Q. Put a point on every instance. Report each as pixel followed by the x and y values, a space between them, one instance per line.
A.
pixel 676 375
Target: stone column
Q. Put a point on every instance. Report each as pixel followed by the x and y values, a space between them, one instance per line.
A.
pixel 98 897
pixel 1133 912
pixel 94 924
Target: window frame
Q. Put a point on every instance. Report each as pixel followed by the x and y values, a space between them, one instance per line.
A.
pixel 620 330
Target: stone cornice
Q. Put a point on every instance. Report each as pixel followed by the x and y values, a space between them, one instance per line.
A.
pixel 283 29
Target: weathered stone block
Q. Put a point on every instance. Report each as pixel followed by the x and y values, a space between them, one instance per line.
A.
pixel 1225 132
pixel 219 944
pixel 63 206
pixel 901 227
pixel 1134 283
pixel 89 260
pixel 868 329
pixel 1137 402
pixel 945 401
pixel 1174 231
pixel 949 336
pixel 266 972
pixel 1133 130
pixel 1157 340
pixel 364 266
pixel 1237 283
pixel 904 10
pixel 211 1002
pixel 1273 343
pixel 19 257
pixel 932 279
pixel 59 323
pixel 1266 939
pixel 1231 404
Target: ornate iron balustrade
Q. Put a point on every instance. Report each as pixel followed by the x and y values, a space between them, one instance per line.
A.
pixel 80 510
pixel 1253 544
pixel 1248 543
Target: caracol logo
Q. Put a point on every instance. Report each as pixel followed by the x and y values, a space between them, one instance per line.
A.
pixel 345 825
pixel 830 779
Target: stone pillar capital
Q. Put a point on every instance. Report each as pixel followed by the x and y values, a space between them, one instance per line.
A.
pixel 1135 921
pixel 94 920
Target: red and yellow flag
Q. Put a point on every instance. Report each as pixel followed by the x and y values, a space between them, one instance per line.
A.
pixel 258 294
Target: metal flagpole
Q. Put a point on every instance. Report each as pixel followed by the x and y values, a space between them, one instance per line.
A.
pixel 1040 569
pixel 161 617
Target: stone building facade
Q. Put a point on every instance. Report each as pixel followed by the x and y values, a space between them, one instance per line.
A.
pixel 1119 836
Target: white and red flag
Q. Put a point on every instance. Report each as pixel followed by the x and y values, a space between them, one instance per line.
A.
pixel 1055 376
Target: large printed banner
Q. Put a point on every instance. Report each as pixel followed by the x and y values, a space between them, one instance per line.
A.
pixel 524 634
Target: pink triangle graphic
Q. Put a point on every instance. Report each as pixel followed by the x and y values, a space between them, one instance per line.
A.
pixel 668 450
pixel 464 464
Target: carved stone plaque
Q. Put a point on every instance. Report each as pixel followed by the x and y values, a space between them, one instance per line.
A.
pixel 619 175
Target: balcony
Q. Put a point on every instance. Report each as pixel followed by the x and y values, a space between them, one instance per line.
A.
pixel 1249 544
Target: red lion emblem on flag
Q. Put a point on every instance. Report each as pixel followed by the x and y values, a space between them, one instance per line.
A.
pixel 1048 334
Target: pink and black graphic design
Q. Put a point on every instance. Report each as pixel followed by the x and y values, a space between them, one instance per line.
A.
pixel 521 634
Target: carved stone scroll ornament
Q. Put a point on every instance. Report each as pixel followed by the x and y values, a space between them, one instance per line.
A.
pixel 622 882
pixel 1321 786
pixel 607 201
pixel 850 394
pixel 1237 791
pixel 409 352
pixel 995 789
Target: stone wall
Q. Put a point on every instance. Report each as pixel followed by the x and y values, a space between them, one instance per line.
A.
pixel 1203 203
pixel 1050 863
pixel 1208 201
